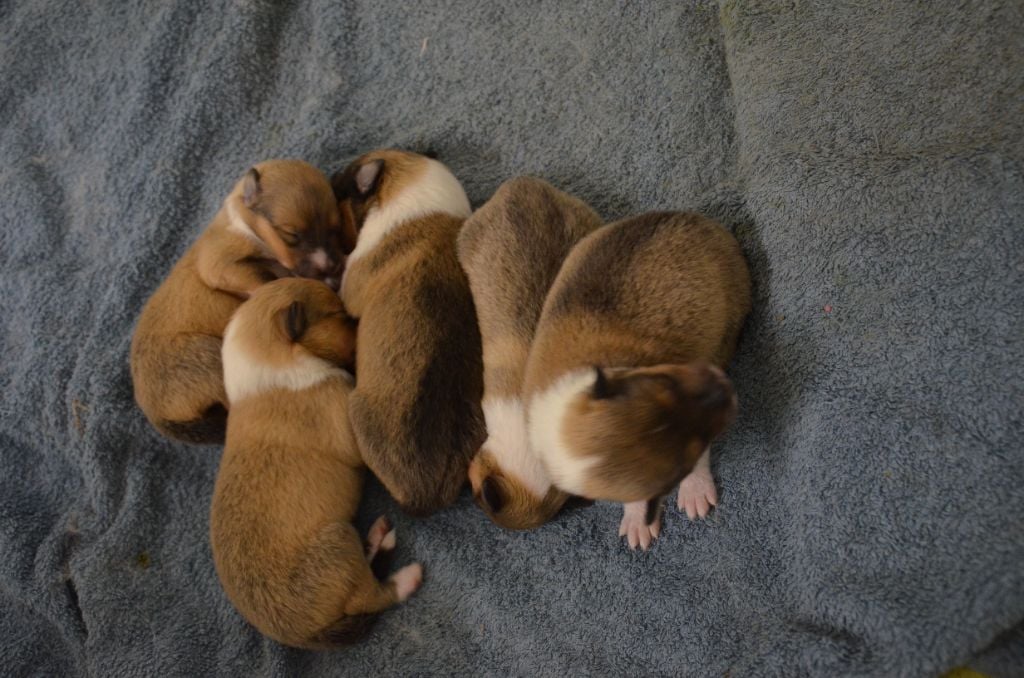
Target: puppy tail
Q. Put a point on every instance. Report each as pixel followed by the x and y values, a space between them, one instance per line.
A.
pixel 348 630
pixel 210 429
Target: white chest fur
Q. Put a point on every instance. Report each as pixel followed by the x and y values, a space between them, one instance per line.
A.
pixel 546 416
pixel 508 441
pixel 434 191
pixel 245 375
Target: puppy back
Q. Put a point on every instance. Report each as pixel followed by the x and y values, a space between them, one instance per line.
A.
pixel 511 249
pixel 416 408
pixel 662 287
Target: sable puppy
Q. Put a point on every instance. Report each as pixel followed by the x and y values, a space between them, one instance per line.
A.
pixel 289 482
pixel 416 407
pixel 624 385
pixel 281 219
pixel 511 250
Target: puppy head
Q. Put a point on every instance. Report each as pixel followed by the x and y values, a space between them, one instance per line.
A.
pixel 289 323
pixel 290 207
pixel 643 429
pixel 398 186
pixel 505 497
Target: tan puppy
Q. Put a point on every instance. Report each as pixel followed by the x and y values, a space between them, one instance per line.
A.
pixel 281 219
pixel 624 385
pixel 511 249
pixel 290 479
pixel 416 407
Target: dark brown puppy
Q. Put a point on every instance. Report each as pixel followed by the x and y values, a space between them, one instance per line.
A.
pixel 416 407
pixel 511 249
pixel 624 385
pixel 281 219
pixel 290 479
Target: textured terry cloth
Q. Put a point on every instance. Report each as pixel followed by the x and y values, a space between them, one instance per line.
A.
pixel 869 158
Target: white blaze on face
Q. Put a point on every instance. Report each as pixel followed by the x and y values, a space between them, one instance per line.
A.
pixel 546 415
pixel 245 375
pixel 319 259
pixel 508 442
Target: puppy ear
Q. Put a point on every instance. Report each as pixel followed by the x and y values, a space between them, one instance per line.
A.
pixel 491 495
pixel 251 187
pixel 293 321
pixel 367 177
pixel 602 389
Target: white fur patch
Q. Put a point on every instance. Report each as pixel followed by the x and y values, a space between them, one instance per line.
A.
pixel 508 442
pixel 238 225
pixel 245 375
pixel 436 190
pixel 319 259
pixel 547 412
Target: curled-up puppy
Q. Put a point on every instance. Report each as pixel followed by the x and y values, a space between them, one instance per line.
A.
pixel 279 220
pixel 625 389
pixel 415 410
pixel 511 249
pixel 289 482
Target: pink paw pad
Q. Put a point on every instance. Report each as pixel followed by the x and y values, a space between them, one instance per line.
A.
pixel 697 494
pixel 407 580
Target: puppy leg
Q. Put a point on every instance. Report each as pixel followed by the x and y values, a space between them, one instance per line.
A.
pixel 338 584
pixel 697 493
pixel 183 389
pixel 380 547
pixel 380 529
pixel 641 523
pixel 373 594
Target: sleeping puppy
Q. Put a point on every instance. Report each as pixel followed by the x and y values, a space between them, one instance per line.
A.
pixel 280 220
pixel 511 250
pixel 416 407
pixel 624 387
pixel 289 482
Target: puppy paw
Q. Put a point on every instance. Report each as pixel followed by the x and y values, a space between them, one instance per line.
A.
pixel 407 580
pixel 635 528
pixel 697 493
pixel 379 531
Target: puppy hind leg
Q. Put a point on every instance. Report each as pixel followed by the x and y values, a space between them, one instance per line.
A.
pixel 193 404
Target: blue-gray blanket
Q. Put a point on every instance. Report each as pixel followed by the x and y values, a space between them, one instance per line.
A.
pixel 870 159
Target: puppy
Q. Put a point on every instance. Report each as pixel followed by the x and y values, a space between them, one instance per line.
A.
pixel 624 384
pixel 511 250
pixel 416 406
pixel 281 219
pixel 289 482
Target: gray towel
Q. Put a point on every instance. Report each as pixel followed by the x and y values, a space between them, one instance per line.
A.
pixel 869 159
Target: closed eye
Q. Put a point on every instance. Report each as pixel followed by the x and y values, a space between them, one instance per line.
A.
pixel 290 238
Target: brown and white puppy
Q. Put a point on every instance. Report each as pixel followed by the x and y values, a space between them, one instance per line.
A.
pixel 281 219
pixel 289 482
pixel 625 389
pixel 511 250
pixel 416 407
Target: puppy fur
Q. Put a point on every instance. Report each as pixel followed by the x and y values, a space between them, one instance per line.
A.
pixel 415 410
pixel 511 250
pixel 624 384
pixel 290 479
pixel 279 220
